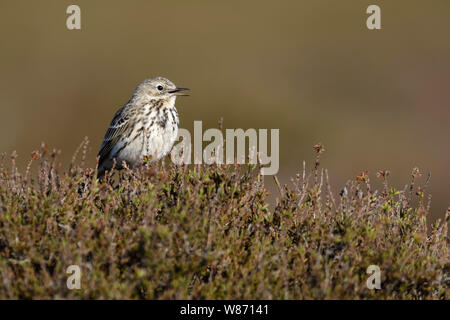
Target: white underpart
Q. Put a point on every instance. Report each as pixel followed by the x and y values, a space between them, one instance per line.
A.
pixel 155 141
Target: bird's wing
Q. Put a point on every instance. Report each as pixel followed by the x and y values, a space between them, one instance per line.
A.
pixel 119 124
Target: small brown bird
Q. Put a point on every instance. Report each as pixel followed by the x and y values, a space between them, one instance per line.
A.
pixel 145 127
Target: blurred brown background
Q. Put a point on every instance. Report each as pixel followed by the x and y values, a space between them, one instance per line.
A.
pixel 375 99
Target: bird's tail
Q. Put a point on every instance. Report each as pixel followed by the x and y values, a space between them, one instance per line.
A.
pixel 100 173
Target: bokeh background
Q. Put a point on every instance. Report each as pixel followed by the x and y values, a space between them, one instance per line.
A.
pixel 375 99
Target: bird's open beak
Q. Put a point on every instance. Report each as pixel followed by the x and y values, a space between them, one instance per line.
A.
pixel 179 91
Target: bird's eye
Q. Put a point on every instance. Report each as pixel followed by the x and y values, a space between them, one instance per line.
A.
pixel 160 88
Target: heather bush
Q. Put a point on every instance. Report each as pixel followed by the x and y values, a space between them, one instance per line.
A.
pixel 207 232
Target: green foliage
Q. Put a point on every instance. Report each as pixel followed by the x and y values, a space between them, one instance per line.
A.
pixel 206 232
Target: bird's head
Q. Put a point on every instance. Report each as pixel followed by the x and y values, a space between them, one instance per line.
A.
pixel 159 88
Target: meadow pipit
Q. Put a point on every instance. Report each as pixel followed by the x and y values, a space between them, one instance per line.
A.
pixel 146 127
